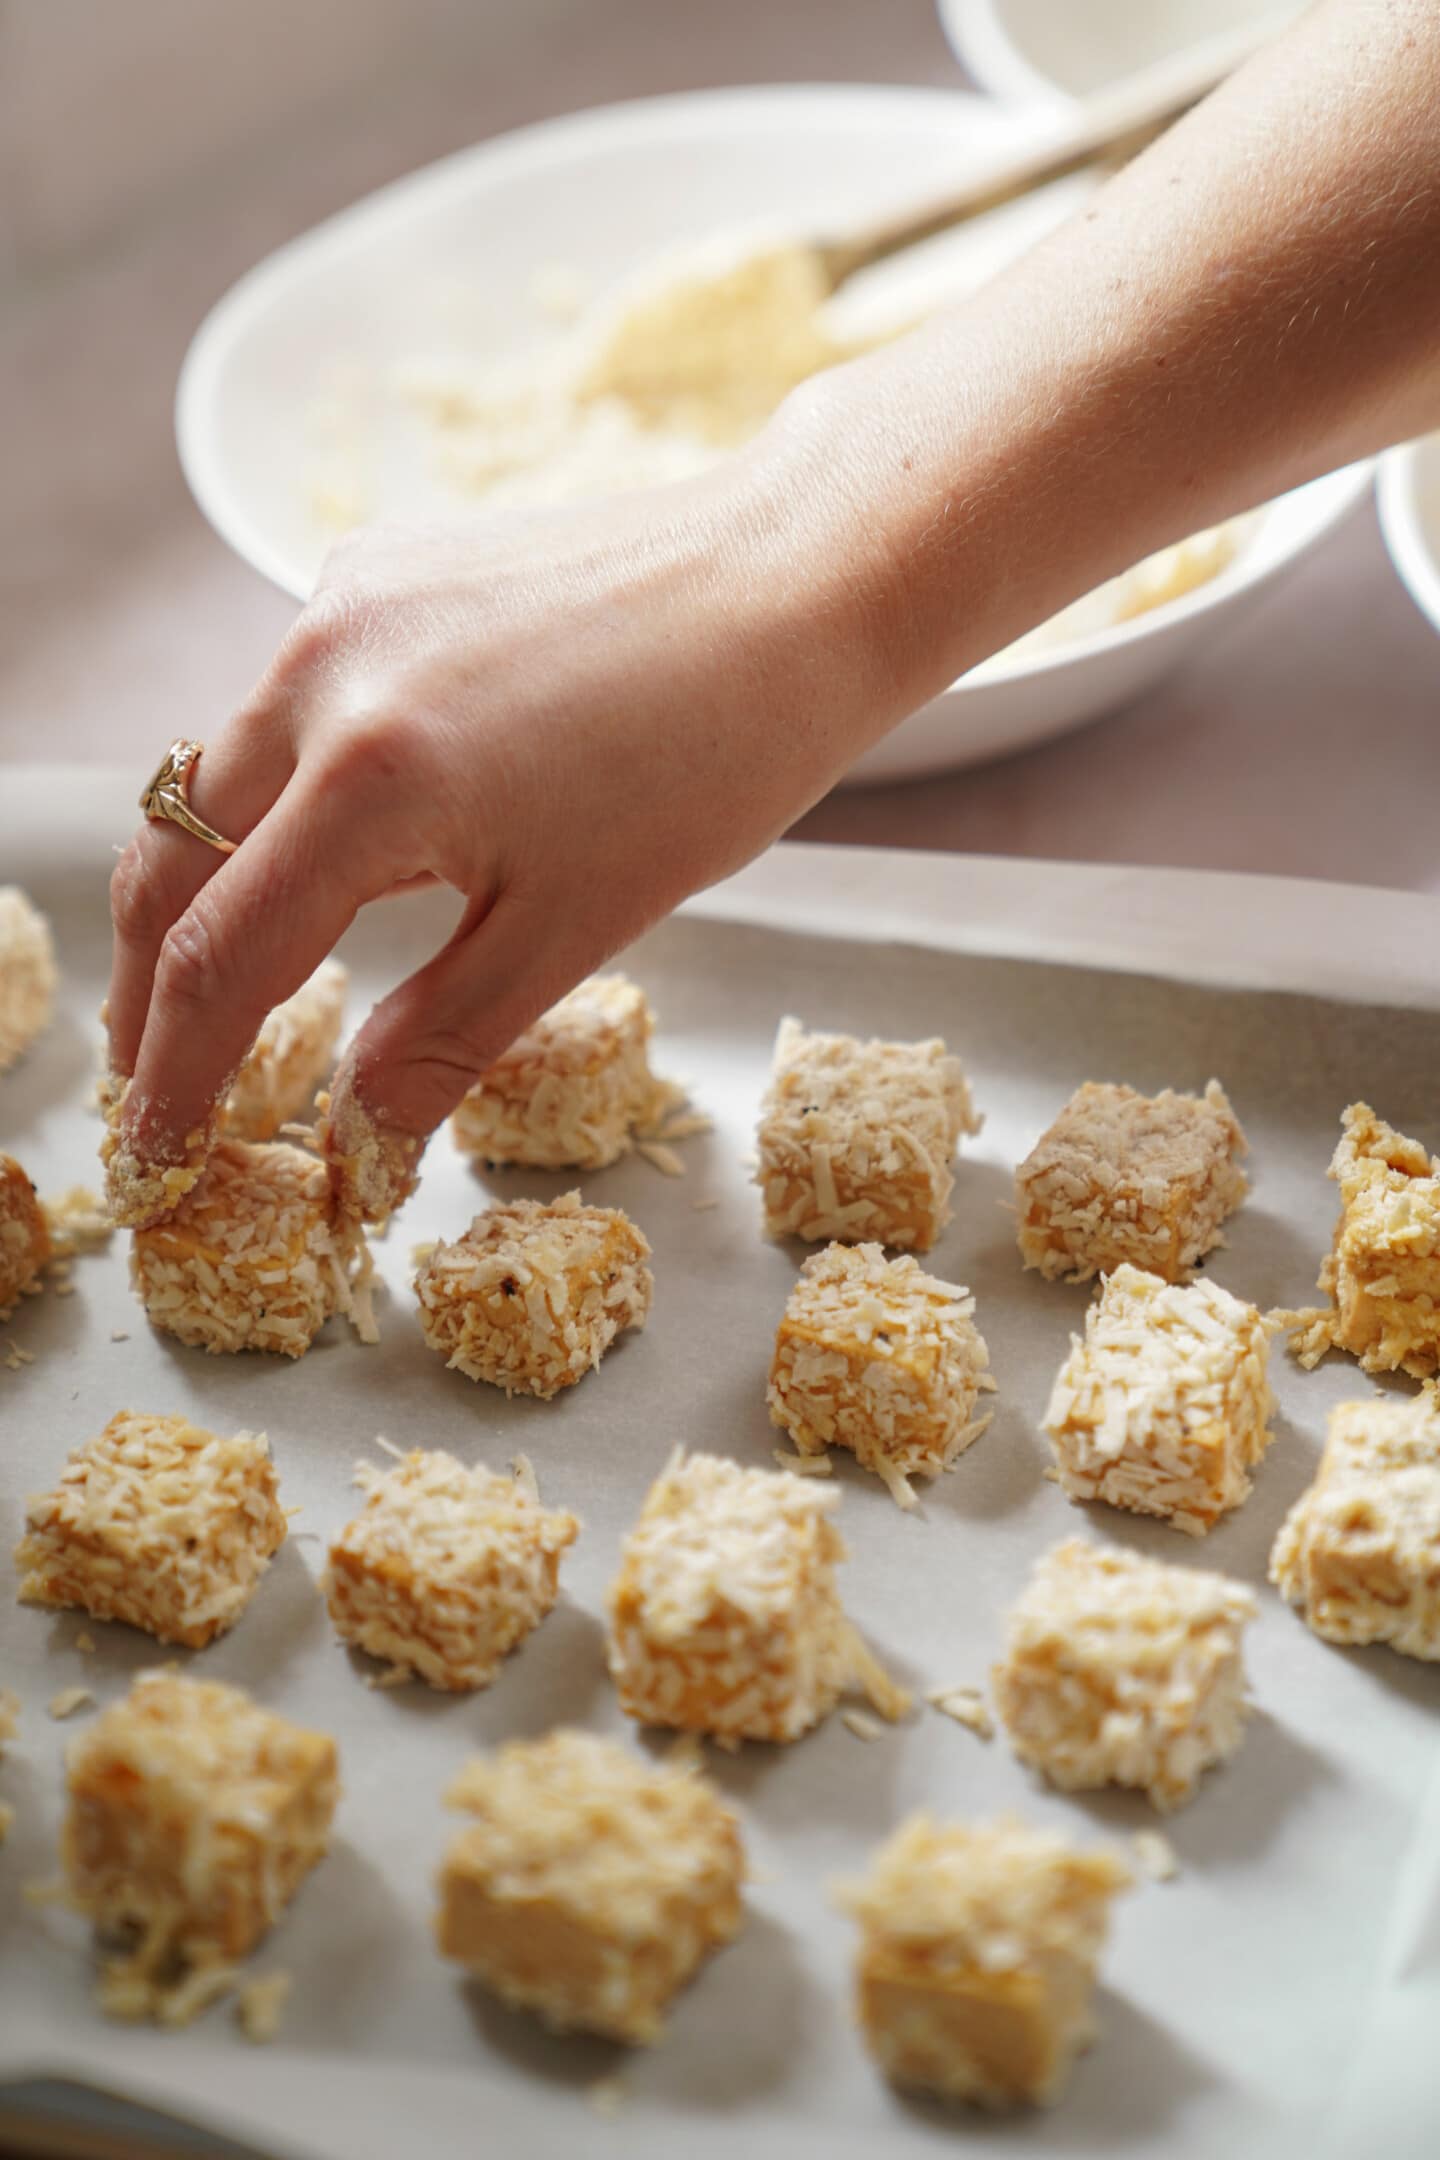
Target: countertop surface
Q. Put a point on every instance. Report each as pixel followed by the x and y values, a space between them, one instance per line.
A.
pixel 1303 740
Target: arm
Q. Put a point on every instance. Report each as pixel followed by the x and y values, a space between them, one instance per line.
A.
pixel 578 719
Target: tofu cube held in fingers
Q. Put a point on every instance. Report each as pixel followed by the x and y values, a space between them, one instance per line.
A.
pixel 1122 1177
pixel 292 1058
pixel 1163 1408
pixel 978 1947
pixel 158 1523
pixel 194 1816
pixel 856 1139
pixel 1359 1552
pixel 876 1356
pixel 24 1233
pixel 1124 1671
pixel 534 1293
pixel 446 1568
pixel 589 1885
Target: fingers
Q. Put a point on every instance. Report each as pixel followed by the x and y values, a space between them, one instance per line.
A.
pixel 251 934
pixel 232 788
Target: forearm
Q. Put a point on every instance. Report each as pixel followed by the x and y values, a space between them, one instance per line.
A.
pixel 1255 300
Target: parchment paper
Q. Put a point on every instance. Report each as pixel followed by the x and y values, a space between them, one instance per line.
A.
pixel 1279 1997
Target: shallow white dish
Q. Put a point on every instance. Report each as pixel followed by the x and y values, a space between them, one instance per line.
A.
pixel 1408 490
pixel 1047 51
pixel 447 258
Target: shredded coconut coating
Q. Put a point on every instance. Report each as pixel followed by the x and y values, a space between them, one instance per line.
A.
pixel 158 1523
pixel 1164 1406
pixel 139 1193
pixel 573 1090
pixel 589 1884
pixel 1122 1177
pixel 291 1059
pixel 255 1258
pixel 25 1245
pixel 445 1569
pixel 194 1816
pixel 878 1357
pixel 534 1293
pixel 27 975
pixel 1382 1274
pixel 1359 1552
pixel 1124 1671
pixel 977 1956
pixel 856 1138
pixel 373 1168
pixel 725 1617
pixel 78 1221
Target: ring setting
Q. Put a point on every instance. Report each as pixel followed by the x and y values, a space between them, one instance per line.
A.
pixel 167 794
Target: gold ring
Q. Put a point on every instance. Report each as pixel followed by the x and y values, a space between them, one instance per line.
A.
pixel 168 794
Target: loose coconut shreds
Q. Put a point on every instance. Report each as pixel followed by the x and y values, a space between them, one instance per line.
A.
pixel 876 1356
pixel 1122 1177
pixel 291 1058
pixel 1155 1855
pixel 69 1700
pixel 27 975
pixel 964 1706
pixel 157 1523
pixel 78 1221
pixel 445 1569
pixel 1162 1408
pixel 534 1293
pixel 575 1089
pixel 1382 1273
pixel 856 1139
pixel 260 2006
pixel 257 1258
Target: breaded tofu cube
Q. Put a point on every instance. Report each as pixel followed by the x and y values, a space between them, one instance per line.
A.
pixel 27 975
pixel 1124 1671
pixel 1359 1552
pixel 878 1357
pixel 1164 1406
pixel 446 1568
pixel 254 1257
pixel 856 1139
pixel 158 1523
pixel 292 1058
pixel 1382 1274
pixel 725 1617
pixel 1122 1177
pixel 534 1293
pixel 977 1956
pixel 569 1093
pixel 24 1233
pixel 589 1884
pixel 194 1816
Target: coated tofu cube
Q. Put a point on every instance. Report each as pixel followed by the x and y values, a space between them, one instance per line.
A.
pixel 570 1092
pixel 24 1233
pixel 1126 1177
pixel 978 1946
pixel 876 1356
pixel 445 1569
pixel 158 1523
pixel 254 1257
pixel 856 1138
pixel 1164 1407
pixel 534 1294
pixel 27 975
pixel 1382 1273
pixel 589 1886
pixel 194 1815
pixel 725 1617
pixel 1359 1552
pixel 1124 1671
pixel 292 1058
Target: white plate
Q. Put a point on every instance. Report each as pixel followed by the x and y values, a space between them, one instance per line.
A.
pixel 1047 51
pixel 447 257
pixel 1408 489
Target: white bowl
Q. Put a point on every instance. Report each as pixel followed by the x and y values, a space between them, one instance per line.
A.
pixel 1408 490
pixel 1044 51
pixel 450 254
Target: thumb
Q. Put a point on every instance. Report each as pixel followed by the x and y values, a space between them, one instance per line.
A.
pixel 425 1045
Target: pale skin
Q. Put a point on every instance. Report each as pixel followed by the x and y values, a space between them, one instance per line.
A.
pixel 578 718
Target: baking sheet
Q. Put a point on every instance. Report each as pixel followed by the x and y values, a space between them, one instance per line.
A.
pixel 1270 1999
